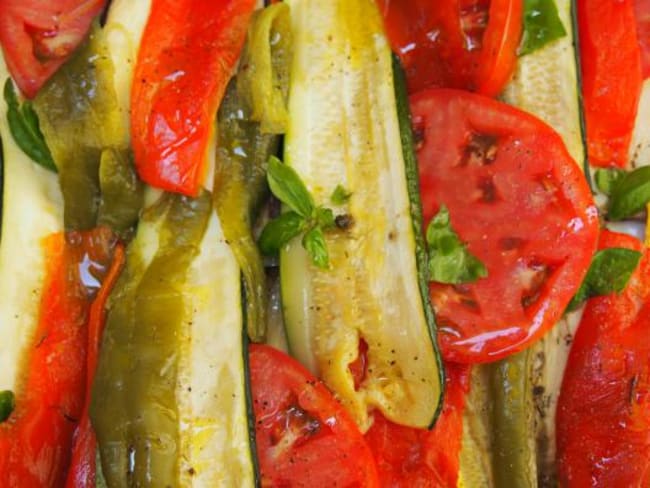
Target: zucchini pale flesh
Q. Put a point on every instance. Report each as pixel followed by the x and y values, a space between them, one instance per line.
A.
pixel 344 130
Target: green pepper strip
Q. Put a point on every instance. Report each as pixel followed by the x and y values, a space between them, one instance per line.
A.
pixel 264 76
pixel 513 442
pixel 134 408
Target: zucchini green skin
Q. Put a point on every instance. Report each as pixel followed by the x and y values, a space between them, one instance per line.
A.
pixel 344 130
pixel 413 184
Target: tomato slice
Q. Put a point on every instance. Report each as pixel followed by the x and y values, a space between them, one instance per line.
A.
pixel 187 54
pixel 603 416
pixel 611 77
pixel 38 36
pixel 36 441
pixel 304 436
pixel 424 458
pixel 466 44
pixel 524 209
pixel 642 14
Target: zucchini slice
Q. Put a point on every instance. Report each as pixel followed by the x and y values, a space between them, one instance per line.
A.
pixel 344 129
pixel 640 145
pixel 32 209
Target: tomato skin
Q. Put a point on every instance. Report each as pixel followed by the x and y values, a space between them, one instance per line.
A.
pixel 611 78
pixel 603 416
pixel 409 457
pixel 38 36
pixel 304 436
pixel 36 441
pixel 464 44
pixel 187 54
pixel 524 209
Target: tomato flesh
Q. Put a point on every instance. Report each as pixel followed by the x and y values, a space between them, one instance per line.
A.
pixel 36 441
pixel 38 36
pixel 466 44
pixel 424 458
pixel 611 77
pixel 642 14
pixel 304 436
pixel 187 54
pixel 603 417
pixel 524 209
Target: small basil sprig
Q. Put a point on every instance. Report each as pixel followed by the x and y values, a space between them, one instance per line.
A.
pixel 7 404
pixel 25 129
pixel 629 194
pixel 449 259
pixel 340 195
pixel 304 216
pixel 609 272
pixel 607 178
pixel 542 25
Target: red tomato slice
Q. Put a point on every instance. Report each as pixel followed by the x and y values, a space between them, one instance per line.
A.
pixel 187 54
pixel 642 14
pixel 409 457
pixel 38 36
pixel 524 209
pixel 611 77
pixel 467 44
pixel 36 441
pixel 603 416
pixel 305 438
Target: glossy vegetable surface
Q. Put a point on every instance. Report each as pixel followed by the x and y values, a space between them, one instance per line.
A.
pixel 523 208
pixel 187 53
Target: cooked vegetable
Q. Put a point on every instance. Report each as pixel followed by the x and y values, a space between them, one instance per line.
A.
pixel 523 208
pixel 603 413
pixel 7 404
pixel 38 37
pixel 452 45
pixel 341 78
pixel 186 57
pixel 304 436
pixel 542 25
pixel 611 78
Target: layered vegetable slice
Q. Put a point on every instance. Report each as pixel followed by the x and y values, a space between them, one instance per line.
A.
pixel 344 130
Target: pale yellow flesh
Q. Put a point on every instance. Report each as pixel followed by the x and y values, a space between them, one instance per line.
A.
pixel 640 145
pixel 343 130
pixel 32 210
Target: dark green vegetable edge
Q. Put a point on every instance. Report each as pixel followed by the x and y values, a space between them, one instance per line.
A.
pixel 413 187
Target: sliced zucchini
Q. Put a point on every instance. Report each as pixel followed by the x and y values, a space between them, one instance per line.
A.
pixel 344 130
pixel 640 145
pixel 32 209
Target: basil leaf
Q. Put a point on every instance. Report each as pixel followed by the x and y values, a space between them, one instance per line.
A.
pixel 325 218
pixel 609 272
pixel 449 259
pixel 542 25
pixel 314 243
pixel 7 404
pixel 607 179
pixel 280 231
pixel 340 195
pixel 287 186
pixel 25 128
pixel 630 195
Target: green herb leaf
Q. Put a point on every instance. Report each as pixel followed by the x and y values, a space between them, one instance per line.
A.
pixel 630 194
pixel 607 179
pixel 25 129
pixel 287 186
pixel 449 259
pixel 542 25
pixel 340 195
pixel 609 272
pixel 325 218
pixel 7 404
pixel 280 231
pixel 314 243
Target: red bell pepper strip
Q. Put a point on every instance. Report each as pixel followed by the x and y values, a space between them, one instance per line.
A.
pixel 642 13
pixel 83 468
pixel 426 458
pixel 603 416
pixel 36 440
pixel 611 77
pixel 187 55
